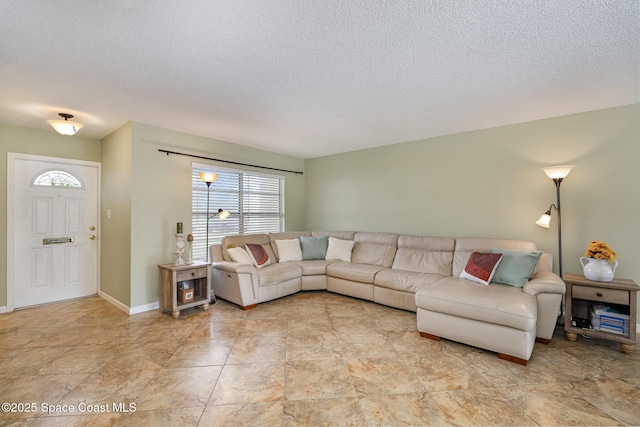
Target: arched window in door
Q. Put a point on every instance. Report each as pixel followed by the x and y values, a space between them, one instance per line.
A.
pixel 57 178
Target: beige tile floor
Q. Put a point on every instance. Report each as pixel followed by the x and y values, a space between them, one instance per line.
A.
pixel 313 358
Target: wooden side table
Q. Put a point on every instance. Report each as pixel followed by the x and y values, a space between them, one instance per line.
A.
pixel 196 275
pixel 580 291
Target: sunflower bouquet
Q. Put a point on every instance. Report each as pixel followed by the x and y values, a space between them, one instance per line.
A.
pixel 600 250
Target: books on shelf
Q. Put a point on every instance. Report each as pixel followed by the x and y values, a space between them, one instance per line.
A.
pixel 608 318
pixel 600 308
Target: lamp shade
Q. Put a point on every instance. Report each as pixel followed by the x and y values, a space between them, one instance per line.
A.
pixel 223 214
pixel 544 220
pixel 208 177
pixel 556 172
pixel 65 126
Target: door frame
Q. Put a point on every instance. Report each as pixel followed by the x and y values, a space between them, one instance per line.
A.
pixel 11 191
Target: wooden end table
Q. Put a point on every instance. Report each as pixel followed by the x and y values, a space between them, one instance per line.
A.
pixel 196 275
pixel 619 291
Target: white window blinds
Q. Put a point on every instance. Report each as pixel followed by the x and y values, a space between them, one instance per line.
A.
pixel 254 200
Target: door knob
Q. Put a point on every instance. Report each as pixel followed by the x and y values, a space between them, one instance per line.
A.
pixel 92 237
pixel 92 228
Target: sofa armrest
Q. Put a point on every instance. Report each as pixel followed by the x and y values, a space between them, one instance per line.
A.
pixel 545 282
pixel 234 267
pixel 215 251
pixel 237 268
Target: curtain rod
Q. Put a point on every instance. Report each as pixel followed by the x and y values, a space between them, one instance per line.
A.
pixel 229 161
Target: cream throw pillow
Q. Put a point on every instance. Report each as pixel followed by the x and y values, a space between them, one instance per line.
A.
pixel 239 255
pixel 339 249
pixel 289 250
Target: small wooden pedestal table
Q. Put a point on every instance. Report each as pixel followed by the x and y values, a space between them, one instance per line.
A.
pixel 619 291
pixel 195 275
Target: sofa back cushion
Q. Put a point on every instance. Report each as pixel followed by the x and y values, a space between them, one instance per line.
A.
pixel 464 248
pixel 545 263
pixel 238 241
pixel 374 248
pixel 424 255
pixel 343 235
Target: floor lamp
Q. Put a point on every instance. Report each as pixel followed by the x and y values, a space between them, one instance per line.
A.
pixel 208 178
pixel 557 174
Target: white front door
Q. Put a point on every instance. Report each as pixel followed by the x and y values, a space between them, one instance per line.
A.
pixel 54 215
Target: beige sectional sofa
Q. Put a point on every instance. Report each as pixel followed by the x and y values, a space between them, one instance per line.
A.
pixel 414 273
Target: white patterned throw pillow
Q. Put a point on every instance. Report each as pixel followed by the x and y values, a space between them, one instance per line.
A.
pixel 339 249
pixel 289 250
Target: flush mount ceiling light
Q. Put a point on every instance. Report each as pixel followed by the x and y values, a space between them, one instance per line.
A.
pixel 65 127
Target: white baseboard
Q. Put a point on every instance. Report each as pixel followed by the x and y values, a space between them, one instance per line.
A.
pixel 127 309
pixel 113 301
pixel 3 309
pixel 142 308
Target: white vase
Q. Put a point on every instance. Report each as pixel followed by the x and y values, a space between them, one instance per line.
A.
pixel 598 270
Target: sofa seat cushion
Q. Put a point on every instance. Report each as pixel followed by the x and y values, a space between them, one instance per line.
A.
pixel 313 267
pixel 402 280
pixel 277 273
pixel 363 273
pixel 498 304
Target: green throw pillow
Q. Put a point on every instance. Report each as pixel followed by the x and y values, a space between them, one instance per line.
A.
pixel 516 267
pixel 314 247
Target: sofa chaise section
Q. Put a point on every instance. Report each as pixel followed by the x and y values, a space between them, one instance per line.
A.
pixel 497 317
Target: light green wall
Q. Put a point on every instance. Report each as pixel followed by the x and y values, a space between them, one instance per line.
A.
pixel 161 196
pixel 115 247
pixel 489 183
pixel 16 139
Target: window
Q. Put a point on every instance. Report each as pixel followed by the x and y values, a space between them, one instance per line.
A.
pixel 254 200
pixel 57 178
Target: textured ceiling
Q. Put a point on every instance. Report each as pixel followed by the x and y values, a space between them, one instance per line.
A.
pixel 312 78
